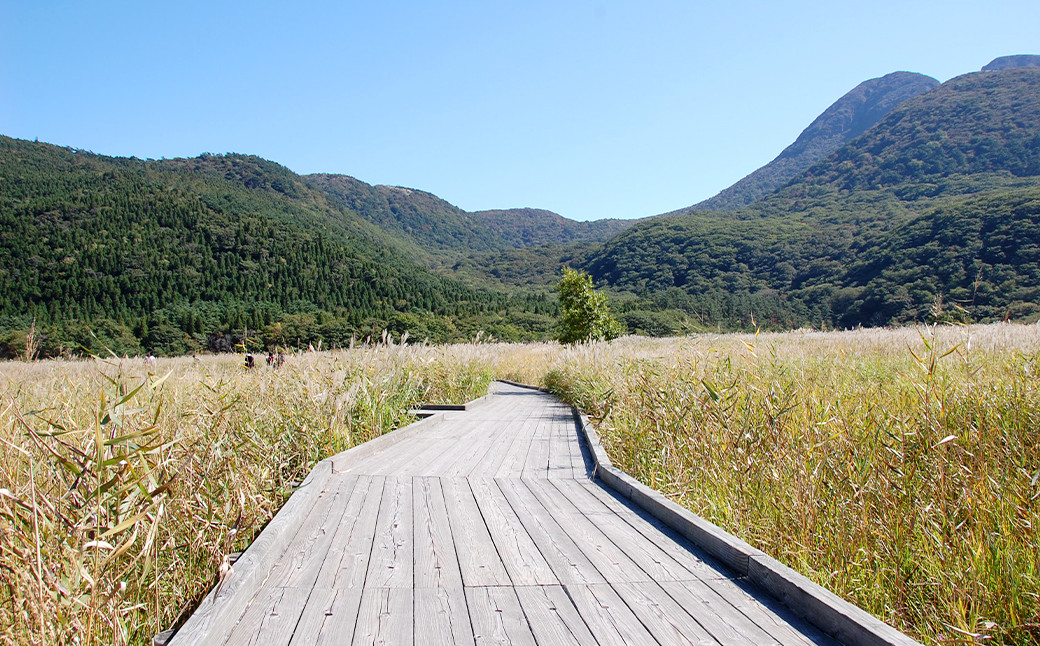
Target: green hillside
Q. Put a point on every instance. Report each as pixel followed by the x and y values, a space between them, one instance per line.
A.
pixel 931 215
pixel 205 253
pixel 436 228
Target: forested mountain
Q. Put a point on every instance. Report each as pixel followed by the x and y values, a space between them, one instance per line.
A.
pixel 930 215
pixel 434 226
pixel 519 228
pixel 847 118
pixel 185 254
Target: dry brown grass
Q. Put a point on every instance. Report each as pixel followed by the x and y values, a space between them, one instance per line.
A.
pixel 898 468
pixel 123 486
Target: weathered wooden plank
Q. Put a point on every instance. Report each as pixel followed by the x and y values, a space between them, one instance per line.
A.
pixel 510 434
pixel 346 562
pixel 561 446
pixel 536 464
pixel 218 613
pixel 724 621
pixel 372 451
pixel 777 620
pixel 665 619
pixel 392 561
pixel 568 562
pixel 523 561
pixel 410 458
pixel 516 455
pixel 385 617
pixel 609 619
pixel 442 617
pixel 306 554
pixel 480 440
pixel 497 617
pixel 329 618
pixel 270 619
pixel 433 455
pixel 657 563
pixel 700 564
pixel 609 559
pixel 552 616
pixel 436 563
pixel 479 561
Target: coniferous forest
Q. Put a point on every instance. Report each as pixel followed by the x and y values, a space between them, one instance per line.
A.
pixel 210 253
pixel 931 215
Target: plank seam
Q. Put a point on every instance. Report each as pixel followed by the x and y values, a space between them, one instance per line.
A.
pixel 275 537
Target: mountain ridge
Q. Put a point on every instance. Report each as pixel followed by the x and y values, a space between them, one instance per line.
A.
pixel 434 225
pixel 930 214
pixel 173 256
pixel 845 119
pixel 841 244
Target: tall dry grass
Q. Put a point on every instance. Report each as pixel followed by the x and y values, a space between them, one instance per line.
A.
pixel 898 468
pixel 123 486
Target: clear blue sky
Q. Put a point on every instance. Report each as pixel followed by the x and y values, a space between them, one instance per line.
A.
pixel 590 108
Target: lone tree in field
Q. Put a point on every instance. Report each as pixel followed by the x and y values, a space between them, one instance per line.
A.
pixel 586 315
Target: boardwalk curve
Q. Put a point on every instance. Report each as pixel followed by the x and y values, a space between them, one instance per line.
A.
pixel 483 526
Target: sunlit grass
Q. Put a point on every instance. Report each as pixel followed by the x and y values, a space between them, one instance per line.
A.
pixel 123 486
pixel 898 468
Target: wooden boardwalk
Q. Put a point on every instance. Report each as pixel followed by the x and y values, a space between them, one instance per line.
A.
pixel 480 527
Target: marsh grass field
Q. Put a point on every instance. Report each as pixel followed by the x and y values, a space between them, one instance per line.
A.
pixel 899 468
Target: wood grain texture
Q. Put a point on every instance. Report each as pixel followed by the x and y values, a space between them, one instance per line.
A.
pixel 436 561
pixel 552 616
pixel 479 561
pixel 524 563
pixel 608 617
pixel 329 618
pixel 442 617
pixel 271 619
pixel 385 616
pixel 220 610
pixel 346 562
pixel 567 560
pixel 391 565
pixel 497 617
pixel 481 526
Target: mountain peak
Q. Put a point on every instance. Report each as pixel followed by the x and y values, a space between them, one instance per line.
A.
pixel 1010 62
pixel 847 118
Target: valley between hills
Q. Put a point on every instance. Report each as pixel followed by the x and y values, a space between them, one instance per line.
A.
pixel 896 465
pixel 905 201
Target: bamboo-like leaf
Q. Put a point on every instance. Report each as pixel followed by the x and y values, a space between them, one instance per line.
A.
pixel 159 382
pixel 148 430
pixel 948 438
pixel 125 524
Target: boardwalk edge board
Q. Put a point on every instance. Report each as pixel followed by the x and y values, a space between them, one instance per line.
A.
pixel 271 542
pixel 255 560
pixel 833 615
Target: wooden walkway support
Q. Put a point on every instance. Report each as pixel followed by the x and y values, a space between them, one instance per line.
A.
pixel 483 526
